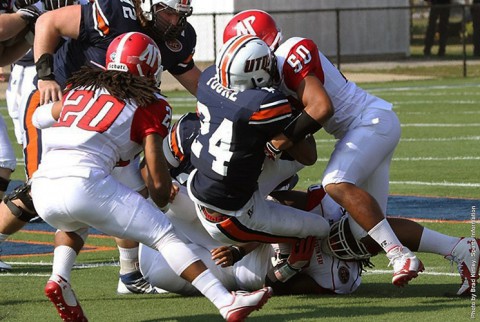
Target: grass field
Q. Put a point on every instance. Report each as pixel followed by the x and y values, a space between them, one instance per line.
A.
pixel 438 156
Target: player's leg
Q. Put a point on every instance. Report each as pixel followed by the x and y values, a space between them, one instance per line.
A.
pixel 357 157
pixel 130 278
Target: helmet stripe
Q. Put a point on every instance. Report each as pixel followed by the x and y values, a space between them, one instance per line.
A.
pixel 121 44
pixel 228 56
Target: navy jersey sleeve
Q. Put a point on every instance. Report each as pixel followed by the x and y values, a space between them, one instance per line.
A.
pixel 103 20
pixel 273 114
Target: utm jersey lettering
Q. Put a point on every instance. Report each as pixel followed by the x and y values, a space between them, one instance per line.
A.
pixel 245 26
pixel 300 57
pixel 80 109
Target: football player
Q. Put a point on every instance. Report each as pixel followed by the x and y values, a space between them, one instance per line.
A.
pixel 117 113
pixel 367 129
pixel 238 114
pixel 353 176
pixel 16 36
pixel 89 29
pixel 340 244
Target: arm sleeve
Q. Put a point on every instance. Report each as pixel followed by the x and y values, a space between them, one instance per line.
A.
pixel 303 59
pixel 42 117
pixel 154 118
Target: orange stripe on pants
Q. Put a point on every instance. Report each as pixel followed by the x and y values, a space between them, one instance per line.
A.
pixel 32 150
pixel 235 230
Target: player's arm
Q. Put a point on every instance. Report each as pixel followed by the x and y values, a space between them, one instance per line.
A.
pixel 229 255
pixel 158 180
pixel 10 24
pixel 189 79
pixel 49 30
pixel 46 115
pixel 10 54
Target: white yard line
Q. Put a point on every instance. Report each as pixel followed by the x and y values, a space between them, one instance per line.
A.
pixel 439 184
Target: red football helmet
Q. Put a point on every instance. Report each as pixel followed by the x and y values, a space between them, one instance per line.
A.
pixel 135 53
pixel 254 22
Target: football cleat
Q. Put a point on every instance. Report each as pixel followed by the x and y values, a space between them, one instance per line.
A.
pixel 466 255
pixel 60 293
pixel 245 303
pixel 134 283
pixel 4 267
pixel 406 265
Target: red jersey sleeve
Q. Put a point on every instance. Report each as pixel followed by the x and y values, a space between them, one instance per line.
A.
pixel 154 118
pixel 302 59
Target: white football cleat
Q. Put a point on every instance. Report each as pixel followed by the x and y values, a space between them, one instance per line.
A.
pixel 134 283
pixel 466 254
pixel 245 303
pixel 123 290
pixel 4 267
pixel 406 265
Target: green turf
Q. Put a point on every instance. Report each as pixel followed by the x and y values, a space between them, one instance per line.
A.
pixel 434 155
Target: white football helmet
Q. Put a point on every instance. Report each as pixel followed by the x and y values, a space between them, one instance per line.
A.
pixel 245 62
pixel 162 27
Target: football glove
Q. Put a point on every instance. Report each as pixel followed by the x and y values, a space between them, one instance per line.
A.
pixel 30 14
pixel 301 253
pixel 271 151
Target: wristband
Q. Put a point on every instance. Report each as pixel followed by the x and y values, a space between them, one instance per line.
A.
pixel 237 253
pixel 284 272
pixel 302 125
pixel 44 66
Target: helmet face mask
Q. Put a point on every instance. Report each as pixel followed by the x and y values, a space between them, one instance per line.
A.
pixel 158 12
pixel 135 53
pixel 254 22
pixel 245 62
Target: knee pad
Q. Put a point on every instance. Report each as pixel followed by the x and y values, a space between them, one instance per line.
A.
pixel 21 193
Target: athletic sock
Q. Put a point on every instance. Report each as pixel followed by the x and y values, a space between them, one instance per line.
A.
pixel 63 260
pixel 128 260
pixel 383 234
pixel 437 243
pixel 3 237
pixel 212 289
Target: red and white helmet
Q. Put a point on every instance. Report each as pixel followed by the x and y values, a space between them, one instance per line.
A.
pixel 136 53
pixel 245 62
pixel 257 23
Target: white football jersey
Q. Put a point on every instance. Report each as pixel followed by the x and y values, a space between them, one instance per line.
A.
pixel 297 57
pixel 98 131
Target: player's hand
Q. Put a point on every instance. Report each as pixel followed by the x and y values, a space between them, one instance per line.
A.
pixel 226 255
pixel 301 253
pixel 30 14
pixel 271 151
pixel 174 191
pixel 49 90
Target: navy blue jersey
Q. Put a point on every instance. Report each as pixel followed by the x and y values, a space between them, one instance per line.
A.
pixel 104 20
pixel 229 150
pixel 180 140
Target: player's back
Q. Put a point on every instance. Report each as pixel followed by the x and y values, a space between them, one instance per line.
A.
pixel 229 151
pixel 93 131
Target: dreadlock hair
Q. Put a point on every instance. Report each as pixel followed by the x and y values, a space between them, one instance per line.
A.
pixel 141 18
pixel 121 85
